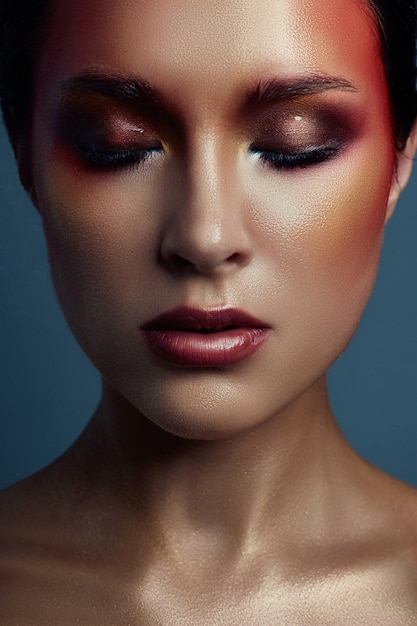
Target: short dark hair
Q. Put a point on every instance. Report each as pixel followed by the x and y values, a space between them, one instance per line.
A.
pixel 23 27
pixel 24 23
pixel 396 21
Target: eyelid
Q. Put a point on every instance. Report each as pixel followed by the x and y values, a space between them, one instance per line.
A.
pixel 290 136
pixel 109 142
pixel 320 120
pixel 110 125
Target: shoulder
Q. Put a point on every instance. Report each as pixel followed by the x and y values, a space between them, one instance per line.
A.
pixel 47 575
pixel 384 569
pixel 27 515
pixel 363 569
pixel 21 547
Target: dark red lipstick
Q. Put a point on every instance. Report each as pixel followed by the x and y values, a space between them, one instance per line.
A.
pixel 204 338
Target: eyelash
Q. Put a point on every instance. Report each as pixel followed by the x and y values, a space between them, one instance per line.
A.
pixel 297 160
pixel 114 159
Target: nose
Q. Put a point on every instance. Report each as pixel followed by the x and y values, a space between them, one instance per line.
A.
pixel 206 225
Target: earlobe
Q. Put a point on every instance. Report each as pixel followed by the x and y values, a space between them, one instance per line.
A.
pixel 402 172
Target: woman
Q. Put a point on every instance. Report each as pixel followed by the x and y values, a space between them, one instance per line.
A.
pixel 199 170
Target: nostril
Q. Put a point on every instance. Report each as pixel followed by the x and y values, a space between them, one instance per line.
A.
pixel 234 258
pixel 179 264
pixel 176 262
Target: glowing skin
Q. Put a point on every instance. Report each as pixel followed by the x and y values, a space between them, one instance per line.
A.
pixel 198 165
pixel 204 222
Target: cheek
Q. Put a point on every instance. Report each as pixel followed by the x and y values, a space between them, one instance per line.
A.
pixel 323 236
pixel 347 236
pixel 101 234
pixel 326 225
pixel 96 222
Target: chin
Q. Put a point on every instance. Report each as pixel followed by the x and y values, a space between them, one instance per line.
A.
pixel 204 426
pixel 221 411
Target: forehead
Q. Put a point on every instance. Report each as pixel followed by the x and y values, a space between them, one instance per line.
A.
pixel 204 48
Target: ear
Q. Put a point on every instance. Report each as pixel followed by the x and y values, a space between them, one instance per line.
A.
pixel 24 166
pixel 402 172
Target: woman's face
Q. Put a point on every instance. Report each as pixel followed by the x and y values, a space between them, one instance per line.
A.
pixel 212 155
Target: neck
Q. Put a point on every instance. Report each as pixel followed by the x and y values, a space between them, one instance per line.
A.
pixel 231 492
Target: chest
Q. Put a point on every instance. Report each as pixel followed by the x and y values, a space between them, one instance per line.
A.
pixel 44 593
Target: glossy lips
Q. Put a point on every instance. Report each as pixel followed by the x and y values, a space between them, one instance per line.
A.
pixel 204 338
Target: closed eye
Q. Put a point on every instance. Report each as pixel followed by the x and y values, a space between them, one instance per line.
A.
pixel 288 160
pixel 114 158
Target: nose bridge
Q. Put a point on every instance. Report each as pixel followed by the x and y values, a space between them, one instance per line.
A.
pixel 207 224
pixel 207 198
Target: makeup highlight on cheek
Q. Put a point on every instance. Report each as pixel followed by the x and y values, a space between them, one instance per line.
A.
pixel 328 219
pixel 348 238
pixel 358 198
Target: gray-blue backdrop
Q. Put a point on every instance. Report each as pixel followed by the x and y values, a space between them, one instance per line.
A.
pixel 48 389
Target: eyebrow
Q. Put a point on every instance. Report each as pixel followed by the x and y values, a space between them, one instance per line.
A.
pixel 273 90
pixel 122 88
pixel 129 89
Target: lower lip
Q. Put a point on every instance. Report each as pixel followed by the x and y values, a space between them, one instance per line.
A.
pixel 195 349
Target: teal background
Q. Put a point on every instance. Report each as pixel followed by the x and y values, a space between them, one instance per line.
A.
pixel 48 389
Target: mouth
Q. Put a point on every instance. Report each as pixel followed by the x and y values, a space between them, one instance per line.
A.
pixel 192 337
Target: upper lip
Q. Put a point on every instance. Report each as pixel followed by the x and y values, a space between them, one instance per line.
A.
pixel 189 318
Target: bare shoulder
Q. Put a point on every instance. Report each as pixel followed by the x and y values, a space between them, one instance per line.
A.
pixel 50 569
pixel 31 515
pixel 22 548
pixel 30 505
pixel 384 577
pixel 389 525
pixel 400 502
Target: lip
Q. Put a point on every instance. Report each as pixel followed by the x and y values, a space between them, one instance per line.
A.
pixel 193 337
